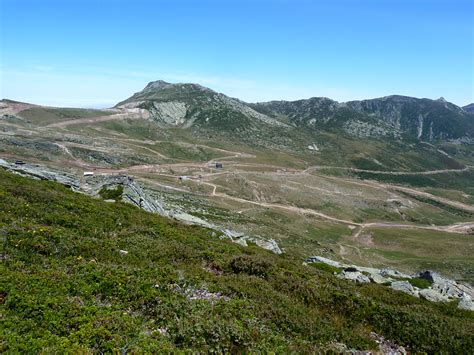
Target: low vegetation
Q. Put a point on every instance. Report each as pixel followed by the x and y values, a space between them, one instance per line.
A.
pixel 82 275
pixel 111 194
pixel 419 282
pixel 326 267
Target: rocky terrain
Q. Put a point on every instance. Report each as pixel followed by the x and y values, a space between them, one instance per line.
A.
pixel 186 105
pixel 395 116
pixel 85 274
pixel 392 116
pixel 381 182
pixel 435 288
pixel 133 193
pixel 469 108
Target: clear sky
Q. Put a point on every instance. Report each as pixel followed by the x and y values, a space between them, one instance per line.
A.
pixel 96 53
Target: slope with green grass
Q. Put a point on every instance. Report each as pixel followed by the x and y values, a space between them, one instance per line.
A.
pixel 82 275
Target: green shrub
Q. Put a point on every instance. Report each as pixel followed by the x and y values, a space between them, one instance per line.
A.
pixel 111 194
pixel 419 282
pixel 250 265
pixel 326 267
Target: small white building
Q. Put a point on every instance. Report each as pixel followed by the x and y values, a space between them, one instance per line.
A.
pixel 88 173
pixel 313 147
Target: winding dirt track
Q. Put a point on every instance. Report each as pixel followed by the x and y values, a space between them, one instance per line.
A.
pixel 62 124
pixel 454 228
pixel 459 228
pixel 384 172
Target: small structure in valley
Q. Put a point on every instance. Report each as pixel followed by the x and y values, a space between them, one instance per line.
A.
pixel 313 147
pixel 88 173
pixel 219 165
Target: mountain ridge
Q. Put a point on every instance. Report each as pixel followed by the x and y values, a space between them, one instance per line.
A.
pixel 396 116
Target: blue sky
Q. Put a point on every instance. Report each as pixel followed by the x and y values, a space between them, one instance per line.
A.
pixel 96 53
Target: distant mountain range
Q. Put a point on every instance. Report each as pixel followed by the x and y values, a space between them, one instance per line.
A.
pixel 192 105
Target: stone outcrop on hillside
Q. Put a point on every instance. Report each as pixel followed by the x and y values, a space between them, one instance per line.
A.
pixel 441 289
pixel 134 194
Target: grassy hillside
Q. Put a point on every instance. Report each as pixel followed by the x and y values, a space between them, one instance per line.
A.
pixel 79 274
pixel 45 115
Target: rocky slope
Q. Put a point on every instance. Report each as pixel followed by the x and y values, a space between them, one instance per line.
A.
pixel 135 194
pixel 392 116
pixel 188 105
pixel 428 285
pixel 469 108
pixel 424 119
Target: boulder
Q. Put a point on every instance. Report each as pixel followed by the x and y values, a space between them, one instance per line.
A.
pixel 269 245
pixel 404 286
pixel 394 273
pixel 466 303
pixel 432 295
pixel 378 279
pixel 356 276
pixel 448 288
pixel 320 259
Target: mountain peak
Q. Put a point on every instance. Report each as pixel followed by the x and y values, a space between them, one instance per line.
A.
pixel 469 108
pixel 158 84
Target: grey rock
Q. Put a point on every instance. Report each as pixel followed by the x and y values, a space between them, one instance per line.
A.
pixel 432 295
pixel 240 238
pixel 315 259
pixel 268 244
pixel 378 279
pixel 446 287
pixel 43 173
pixel 441 290
pixel 404 286
pixel 387 346
pixel 394 273
pixel 356 276
pixel 466 303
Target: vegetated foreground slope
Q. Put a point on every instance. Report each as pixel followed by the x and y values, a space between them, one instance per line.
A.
pixel 79 274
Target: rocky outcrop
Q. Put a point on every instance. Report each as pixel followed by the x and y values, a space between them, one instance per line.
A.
pixel 404 286
pixel 466 303
pixel 134 194
pixel 423 119
pixel 42 173
pixel 185 105
pixel 362 129
pixel 387 346
pixel 242 239
pixel 447 288
pixel 441 289
pixel 354 275
pixel 432 295
pixel 173 113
